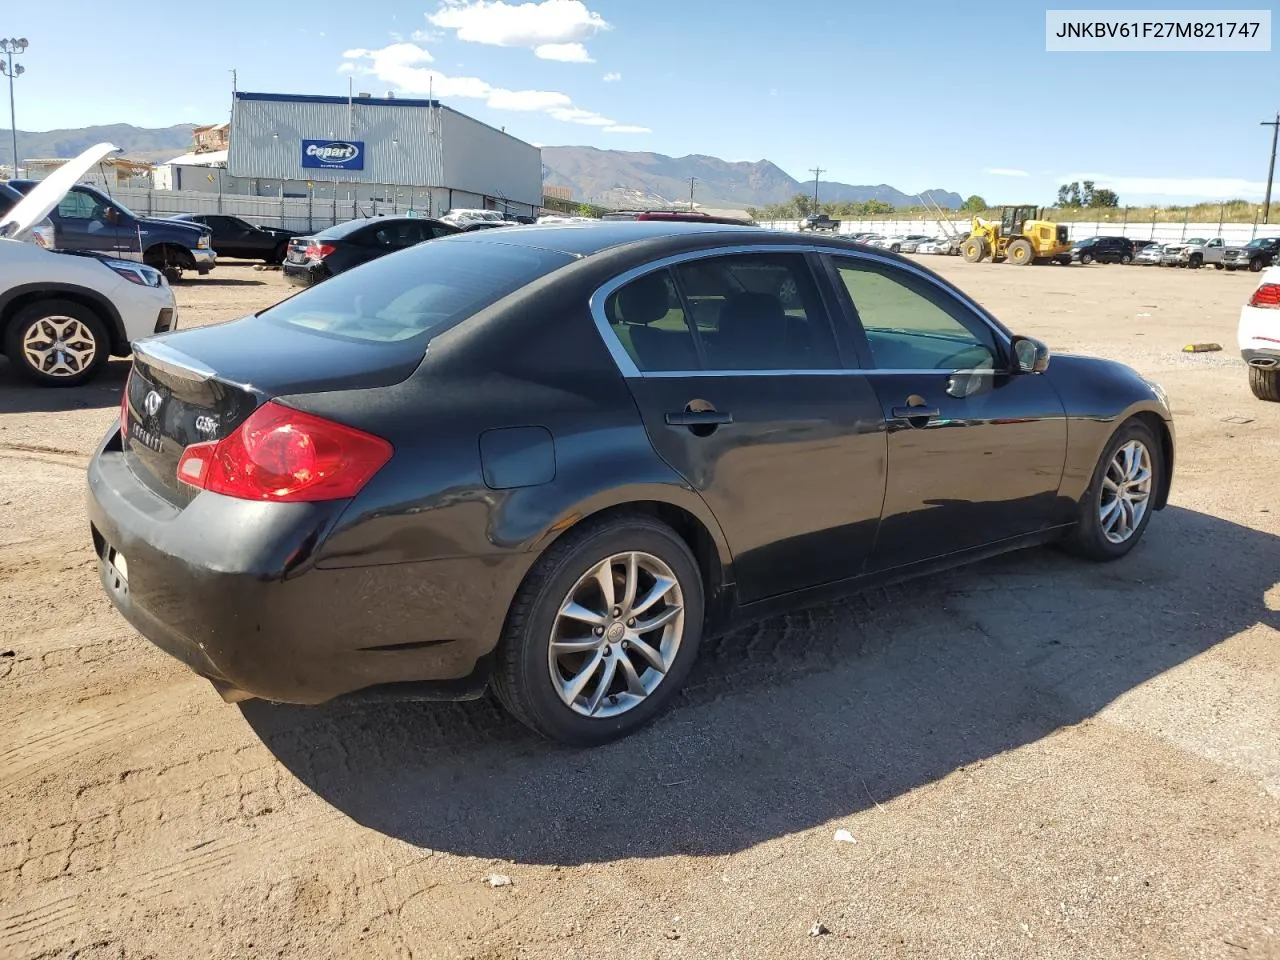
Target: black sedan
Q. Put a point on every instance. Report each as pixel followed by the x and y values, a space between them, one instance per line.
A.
pixel 233 237
pixel 553 458
pixel 346 245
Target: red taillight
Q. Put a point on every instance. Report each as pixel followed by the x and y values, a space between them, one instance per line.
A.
pixel 286 455
pixel 318 251
pixel 124 407
pixel 1267 295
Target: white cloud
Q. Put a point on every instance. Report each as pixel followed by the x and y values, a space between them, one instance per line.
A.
pixel 564 52
pixel 1200 188
pixel 1006 172
pixel 527 99
pixel 587 118
pixel 612 77
pixel 425 36
pixel 401 66
pixel 549 23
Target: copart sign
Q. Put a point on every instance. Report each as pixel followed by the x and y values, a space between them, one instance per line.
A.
pixel 333 154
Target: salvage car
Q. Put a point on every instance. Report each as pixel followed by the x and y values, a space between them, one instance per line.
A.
pixel 1258 335
pixel 1255 255
pixel 1149 255
pixel 62 314
pixel 533 459
pixel 319 256
pixel 235 237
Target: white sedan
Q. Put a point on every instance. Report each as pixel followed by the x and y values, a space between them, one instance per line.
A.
pixel 62 315
pixel 1259 336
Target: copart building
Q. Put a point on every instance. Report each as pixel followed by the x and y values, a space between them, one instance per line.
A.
pixel 392 153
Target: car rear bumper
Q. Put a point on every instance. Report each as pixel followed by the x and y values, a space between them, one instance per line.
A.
pixel 304 274
pixel 230 588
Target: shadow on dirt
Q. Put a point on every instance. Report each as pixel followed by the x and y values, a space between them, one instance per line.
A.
pixel 802 719
pixel 220 282
pixel 18 395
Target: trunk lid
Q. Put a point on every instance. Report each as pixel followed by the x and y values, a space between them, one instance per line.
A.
pixel 200 385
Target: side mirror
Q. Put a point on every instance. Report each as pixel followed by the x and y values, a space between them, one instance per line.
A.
pixel 1030 355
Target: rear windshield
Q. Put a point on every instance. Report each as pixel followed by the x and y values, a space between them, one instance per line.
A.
pixel 416 292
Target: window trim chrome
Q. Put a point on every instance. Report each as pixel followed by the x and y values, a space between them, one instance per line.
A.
pixel 629 370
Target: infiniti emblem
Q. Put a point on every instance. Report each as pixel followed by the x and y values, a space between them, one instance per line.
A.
pixel 151 403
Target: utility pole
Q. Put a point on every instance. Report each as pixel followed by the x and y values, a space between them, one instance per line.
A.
pixel 817 172
pixel 1271 170
pixel 692 181
pixel 13 71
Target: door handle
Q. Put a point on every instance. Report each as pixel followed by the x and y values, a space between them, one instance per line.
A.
pixel 916 413
pixel 699 418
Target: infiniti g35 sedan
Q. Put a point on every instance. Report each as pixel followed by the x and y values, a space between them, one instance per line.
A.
pixel 549 460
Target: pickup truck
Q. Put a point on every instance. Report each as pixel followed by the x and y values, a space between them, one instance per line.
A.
pixel 88 221
pixel 819 221
pixel 1254 255
pixel 1194 253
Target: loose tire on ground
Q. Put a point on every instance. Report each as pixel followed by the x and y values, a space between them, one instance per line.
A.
pixel 1265 383
pixel 32 336
pixel 974 250
pixel 1021 252
pixel 1087 538
pixel 522 669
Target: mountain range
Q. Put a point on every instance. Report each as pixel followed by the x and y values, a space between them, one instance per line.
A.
pixel 628 178
pixel 617 178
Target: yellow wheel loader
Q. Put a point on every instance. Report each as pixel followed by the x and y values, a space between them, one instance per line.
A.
pixel 1020 236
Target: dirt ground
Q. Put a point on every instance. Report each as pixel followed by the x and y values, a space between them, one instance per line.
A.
pixel 1031 758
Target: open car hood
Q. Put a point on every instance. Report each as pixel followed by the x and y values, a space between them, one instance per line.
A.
pixel 48 193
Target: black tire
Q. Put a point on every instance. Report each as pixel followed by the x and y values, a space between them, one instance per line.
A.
pixel 974 250
pixel 1265 383
pixel 1219 266
pixel 278 254
pixel 1126 258
pixel 1255 264
pixel 521 673
pixel 1086 258
pixel 1086 539
pixel 94 333
pixel 1063 261
pixel 1020 253
pixel 1196 262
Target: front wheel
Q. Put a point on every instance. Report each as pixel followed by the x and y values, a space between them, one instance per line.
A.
pixel 57 343
pixel 1114 511
pixel 1255 264
pixel 1086 258
pixel 602 633
pixel 1195 263
pixel 1126 259
pixel 1218 266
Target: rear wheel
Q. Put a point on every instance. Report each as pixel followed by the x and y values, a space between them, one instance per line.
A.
pixel 1265 383
pixel 974 249
pixel 1020 252
pixel 278 255
pixel 57 343
pixel 1114 511
pixel 602 633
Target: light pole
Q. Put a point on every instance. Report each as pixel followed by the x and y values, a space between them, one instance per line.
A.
pixel 12 71
pixel 1271 170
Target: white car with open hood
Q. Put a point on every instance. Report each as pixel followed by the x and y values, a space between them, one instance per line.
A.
pixel 62 314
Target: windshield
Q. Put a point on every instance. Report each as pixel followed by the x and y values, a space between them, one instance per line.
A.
pixel 416 292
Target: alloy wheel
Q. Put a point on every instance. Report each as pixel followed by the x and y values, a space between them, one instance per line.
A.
pixel 616 635
pixel 1126 492
pixel 59 346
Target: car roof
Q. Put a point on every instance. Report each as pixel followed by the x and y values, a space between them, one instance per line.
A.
pixel 586 239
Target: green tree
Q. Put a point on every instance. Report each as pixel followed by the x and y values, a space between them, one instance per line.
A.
pixel 802 203
pixel 1069 195
pixel 1103 197
pixel 584 210
pixel 975 204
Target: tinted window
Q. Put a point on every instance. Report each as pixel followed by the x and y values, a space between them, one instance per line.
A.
pixel 416 293
pixel 758 312
pixel 648 319
pixel 911 326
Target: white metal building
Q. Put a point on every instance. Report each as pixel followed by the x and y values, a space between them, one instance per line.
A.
pixel 406 153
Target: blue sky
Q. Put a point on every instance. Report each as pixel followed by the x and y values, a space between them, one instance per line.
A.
pixel 917 95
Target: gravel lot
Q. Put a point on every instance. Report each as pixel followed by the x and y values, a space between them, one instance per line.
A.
pixel 1032 757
